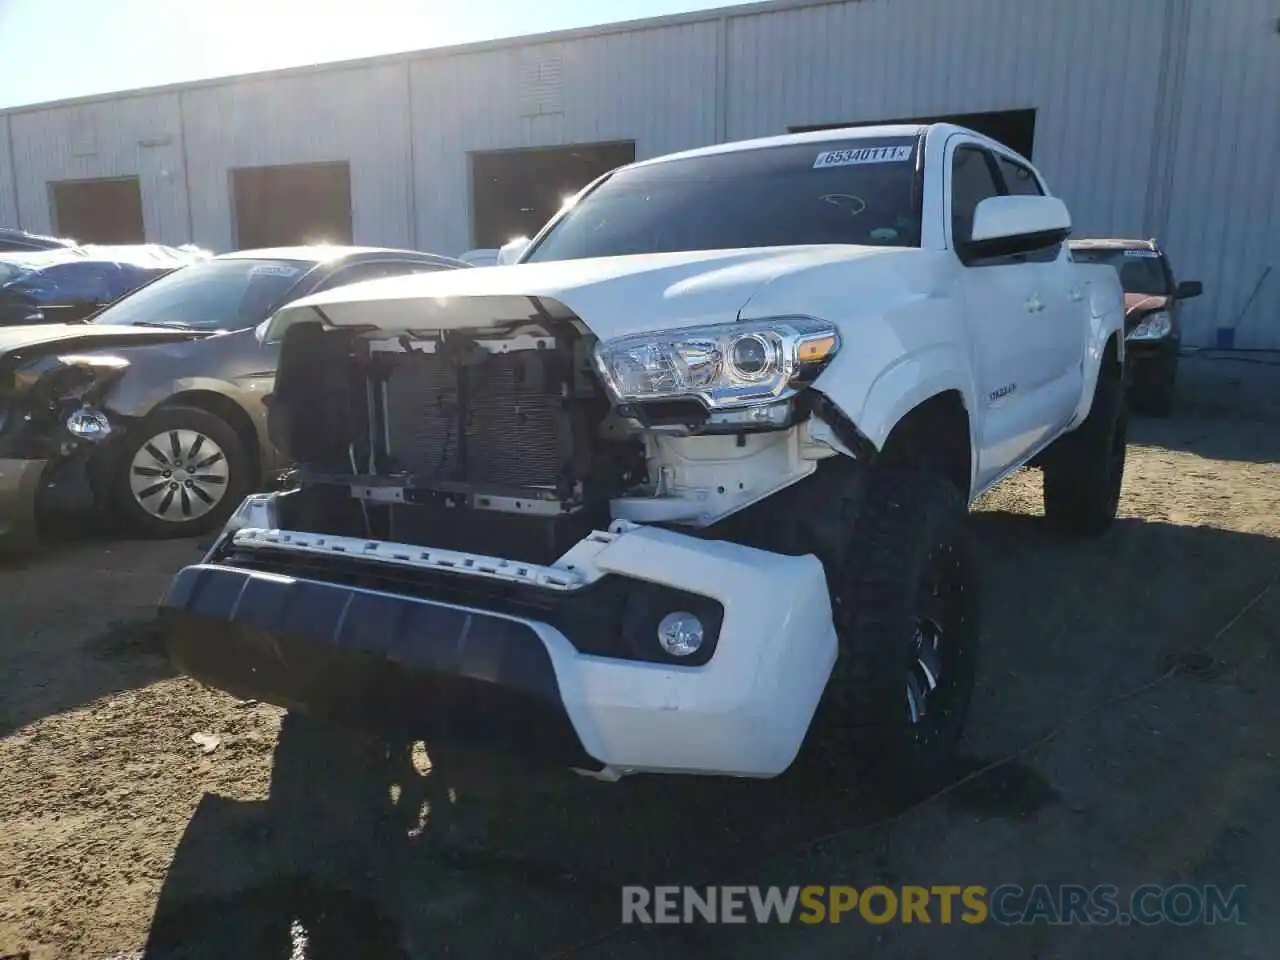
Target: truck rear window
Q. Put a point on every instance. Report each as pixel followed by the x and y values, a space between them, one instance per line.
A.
pixel 856 192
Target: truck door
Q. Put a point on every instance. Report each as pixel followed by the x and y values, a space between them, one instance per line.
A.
pixel 1060 326
pixel 1005 304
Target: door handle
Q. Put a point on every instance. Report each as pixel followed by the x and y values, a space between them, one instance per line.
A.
pixel 1034 305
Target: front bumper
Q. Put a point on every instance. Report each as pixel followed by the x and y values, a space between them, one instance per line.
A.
pixel 1148 351
pixel 404 661
pixel 19 487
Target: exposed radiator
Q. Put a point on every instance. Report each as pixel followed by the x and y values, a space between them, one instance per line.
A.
pixel 499 419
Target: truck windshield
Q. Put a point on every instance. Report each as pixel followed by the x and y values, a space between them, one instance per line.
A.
pixel 1141 271
pixel 859 191
pixel 227 294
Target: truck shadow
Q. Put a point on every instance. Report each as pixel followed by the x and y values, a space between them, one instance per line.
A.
pixel 387 853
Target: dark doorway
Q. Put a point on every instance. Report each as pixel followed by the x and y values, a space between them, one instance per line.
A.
pixel 99 211
pixel 1016 129
pixel 514 192
pixel 295 204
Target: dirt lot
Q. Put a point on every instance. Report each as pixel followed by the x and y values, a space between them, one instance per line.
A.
pixel 1139 738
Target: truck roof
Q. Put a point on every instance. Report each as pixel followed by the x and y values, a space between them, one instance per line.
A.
pixel 879 131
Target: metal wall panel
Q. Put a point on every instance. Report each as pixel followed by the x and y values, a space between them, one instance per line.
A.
pixel 358 115
pixel 1090 68
pixel 122 137
pixel 656 87
pixel 1153 117
pixel 1224 196
pixel 8 198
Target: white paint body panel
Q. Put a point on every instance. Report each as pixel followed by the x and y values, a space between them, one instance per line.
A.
pixel 1012 216
pixel 743 714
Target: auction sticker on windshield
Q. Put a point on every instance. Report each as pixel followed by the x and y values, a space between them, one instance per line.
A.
pixel 273 270
pixel 859 155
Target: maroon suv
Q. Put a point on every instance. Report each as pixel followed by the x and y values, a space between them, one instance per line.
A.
pixel 1153 331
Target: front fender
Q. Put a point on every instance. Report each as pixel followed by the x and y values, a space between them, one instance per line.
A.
pixel 903 334
pixel 909 382
pixel 890 363
pixel 1105 319
pixel 137 397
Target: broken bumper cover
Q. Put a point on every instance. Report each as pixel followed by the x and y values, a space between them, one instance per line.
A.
pixel 19 486
pixel 410 664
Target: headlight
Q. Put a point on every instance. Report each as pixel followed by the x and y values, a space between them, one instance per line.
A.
pixel 89 424
pixel 726 366
pixel 1154 326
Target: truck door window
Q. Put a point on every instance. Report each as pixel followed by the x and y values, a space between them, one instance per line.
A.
pixel 972 181
pixel 1018 180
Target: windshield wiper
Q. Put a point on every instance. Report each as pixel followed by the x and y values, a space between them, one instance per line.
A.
pixel 163 324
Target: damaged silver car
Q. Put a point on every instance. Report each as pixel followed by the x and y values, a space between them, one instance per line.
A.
pixel 152 409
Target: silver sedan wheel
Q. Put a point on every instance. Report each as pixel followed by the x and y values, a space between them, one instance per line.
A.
pixel 179 475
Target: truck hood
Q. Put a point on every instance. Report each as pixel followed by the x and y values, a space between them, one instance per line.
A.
pixel 36 339
pixel 614 296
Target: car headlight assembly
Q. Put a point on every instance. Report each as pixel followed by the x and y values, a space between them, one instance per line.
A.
pixel 1154 326
pixel 90 424
pixel 730 376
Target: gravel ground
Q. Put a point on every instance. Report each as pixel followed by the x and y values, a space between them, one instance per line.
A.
pixel 1137 741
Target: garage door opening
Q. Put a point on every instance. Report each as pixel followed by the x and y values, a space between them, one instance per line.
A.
pixel 293 204
pixel 514 192
pixel 1016 129
pixel 99 211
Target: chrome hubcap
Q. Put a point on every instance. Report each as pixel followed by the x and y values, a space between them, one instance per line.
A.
pixel 178 475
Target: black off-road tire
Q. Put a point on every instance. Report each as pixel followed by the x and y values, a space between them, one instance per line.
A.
pixel 239 480
pixel 1084 470
pixel 907 554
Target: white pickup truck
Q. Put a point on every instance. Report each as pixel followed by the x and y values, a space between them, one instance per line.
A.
pixel 684 486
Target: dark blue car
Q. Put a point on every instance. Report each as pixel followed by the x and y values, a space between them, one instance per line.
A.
pixel 61 286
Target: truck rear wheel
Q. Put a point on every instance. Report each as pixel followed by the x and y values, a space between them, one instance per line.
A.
pixel 905 603
pixel 1082 475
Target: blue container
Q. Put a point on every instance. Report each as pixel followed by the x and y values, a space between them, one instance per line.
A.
pixel 1226 338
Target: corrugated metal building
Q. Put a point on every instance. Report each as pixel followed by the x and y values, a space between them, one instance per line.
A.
pixel 1149 117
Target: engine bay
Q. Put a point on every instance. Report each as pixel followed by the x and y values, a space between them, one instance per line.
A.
pixel 501 440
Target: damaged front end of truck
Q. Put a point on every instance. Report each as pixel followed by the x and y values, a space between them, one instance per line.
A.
pixel 489 531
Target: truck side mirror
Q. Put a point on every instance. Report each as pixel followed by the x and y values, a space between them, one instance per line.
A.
pixel 1188 289
pixel 1003 226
